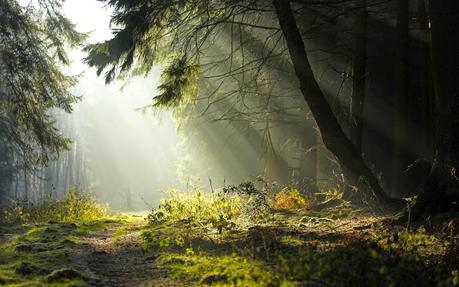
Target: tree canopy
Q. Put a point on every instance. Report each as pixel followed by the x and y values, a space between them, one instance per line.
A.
pixel 174 32
pixel 34 40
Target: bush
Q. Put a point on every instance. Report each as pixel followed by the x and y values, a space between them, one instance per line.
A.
pixel 75 206
pixel 289 198
pixel 256 201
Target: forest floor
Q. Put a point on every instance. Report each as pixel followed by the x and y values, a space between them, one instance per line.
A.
pixel 293 249
pixel 114 255
pixel 106 252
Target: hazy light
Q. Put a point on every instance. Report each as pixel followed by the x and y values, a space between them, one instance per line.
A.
pixel 126 152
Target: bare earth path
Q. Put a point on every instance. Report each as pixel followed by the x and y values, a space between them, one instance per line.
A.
pixel 119 261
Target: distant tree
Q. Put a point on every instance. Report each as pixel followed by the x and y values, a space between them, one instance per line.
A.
pixel 33 41
pixel 177 33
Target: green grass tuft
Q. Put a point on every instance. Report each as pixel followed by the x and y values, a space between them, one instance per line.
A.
pixel 76 206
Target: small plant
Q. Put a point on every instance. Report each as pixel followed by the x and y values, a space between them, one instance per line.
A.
pixel 256 200
pixel 289 198
pixel 332 194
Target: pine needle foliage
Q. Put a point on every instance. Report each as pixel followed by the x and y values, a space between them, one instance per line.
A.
pixel 170 33
pixel 179 84
pixel 33 42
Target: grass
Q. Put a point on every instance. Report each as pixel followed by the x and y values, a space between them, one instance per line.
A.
pixel 76 206
pixel 294 246
pixel 213 239
pixel 43 235
pixel 210 209
pixel 269 256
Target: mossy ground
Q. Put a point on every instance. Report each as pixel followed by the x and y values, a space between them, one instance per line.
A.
pixel 287 248
pixel 306 249
pixel 30 253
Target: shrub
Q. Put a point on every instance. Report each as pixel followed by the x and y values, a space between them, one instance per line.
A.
pixel 289 198
pixel 75 206
pixel 256 202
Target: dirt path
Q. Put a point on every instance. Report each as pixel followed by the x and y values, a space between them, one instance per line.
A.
pixel 120 261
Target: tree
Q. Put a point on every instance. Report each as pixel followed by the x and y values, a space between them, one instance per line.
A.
pixel 359 74
pixel 32 52
pixel 333 136
pixel 401 97
pixel 177 32
pixel 441 185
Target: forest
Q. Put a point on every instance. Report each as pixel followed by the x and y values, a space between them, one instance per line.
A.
pixel 229 143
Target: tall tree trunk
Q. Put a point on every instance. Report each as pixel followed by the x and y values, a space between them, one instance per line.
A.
pixel 359 74
pixel 444 22
pixel 401 99
pixel 333 136
pixel 425 86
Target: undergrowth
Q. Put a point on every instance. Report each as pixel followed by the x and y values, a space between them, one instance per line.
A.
pixel 290 198
pixel 215 209
pixel 75 206
pixel 226 209
pixel 211 239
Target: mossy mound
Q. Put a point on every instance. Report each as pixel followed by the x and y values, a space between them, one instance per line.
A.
pixel 65 274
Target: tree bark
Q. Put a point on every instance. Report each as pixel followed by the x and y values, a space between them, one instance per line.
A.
pixel 333 136
pixel 425 76
pixel 359 74
pixel 400 143
pixel 444 20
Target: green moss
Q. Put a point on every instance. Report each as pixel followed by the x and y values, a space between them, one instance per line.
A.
pixel 85 228
pixel 43 248
pixel 291 240
pixel 120 232
pixel 416 243
pixel 271 255
pixel 36 250
pixel 228 270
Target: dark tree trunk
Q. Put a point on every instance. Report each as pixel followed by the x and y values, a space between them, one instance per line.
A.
pixel 332 134
pixel 401 99
pixel 359 74
pixel 444 19
pixel 425 76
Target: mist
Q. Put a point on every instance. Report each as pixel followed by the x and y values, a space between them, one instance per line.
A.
pixel 249 119
pixel 129 156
